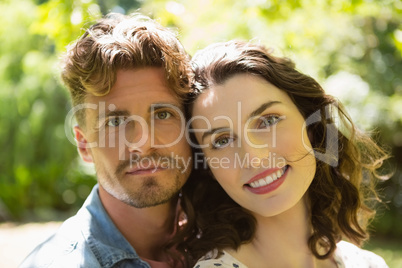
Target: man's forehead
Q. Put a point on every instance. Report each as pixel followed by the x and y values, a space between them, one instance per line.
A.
pixel 146 81
pixel 133 107
pixel 135 97
pixel 139 102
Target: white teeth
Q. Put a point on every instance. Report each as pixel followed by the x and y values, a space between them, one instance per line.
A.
pixel 268 179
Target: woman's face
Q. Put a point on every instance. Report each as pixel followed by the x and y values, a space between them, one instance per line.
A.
pixel 256 144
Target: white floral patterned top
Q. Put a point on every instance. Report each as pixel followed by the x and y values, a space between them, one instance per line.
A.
pixel 347 255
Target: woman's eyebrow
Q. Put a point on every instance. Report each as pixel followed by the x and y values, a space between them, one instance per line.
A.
pixel 254 113
pixel 213 130
pixel 262 108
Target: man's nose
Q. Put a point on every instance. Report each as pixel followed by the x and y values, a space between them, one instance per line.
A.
pixel 139 140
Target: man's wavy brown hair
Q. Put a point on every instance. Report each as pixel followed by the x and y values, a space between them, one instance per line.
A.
pixel 344 184
pixel 124 42
pixel 120 42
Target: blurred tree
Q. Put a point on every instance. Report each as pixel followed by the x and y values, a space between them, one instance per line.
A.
pixel 37 162
pixel 354 48
pixel 119 6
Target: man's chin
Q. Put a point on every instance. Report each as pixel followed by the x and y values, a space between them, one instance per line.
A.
pixel 150 196
pixel 146 203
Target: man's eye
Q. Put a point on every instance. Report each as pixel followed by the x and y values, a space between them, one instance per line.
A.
pixel 163 115
pixel 221 142
pixel 268 121
pixel 115 121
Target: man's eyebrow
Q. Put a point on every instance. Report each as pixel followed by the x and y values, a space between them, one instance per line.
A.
pixel 213 130
pixel 127 113
pixel 165 104
pixel 115 113
pixel 262 108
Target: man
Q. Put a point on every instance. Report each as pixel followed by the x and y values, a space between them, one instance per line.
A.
pixel 127 77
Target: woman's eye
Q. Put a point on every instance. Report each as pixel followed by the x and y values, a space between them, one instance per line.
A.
pixel 163 115
pixel 221 142
pixel 268 121
pixel 115 121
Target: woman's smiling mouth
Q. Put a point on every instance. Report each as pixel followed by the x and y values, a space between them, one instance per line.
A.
pixel 268 183
pixel 268 179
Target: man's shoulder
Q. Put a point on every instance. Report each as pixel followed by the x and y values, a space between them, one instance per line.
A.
pixel 66 248
pixel 88 239
pixel 69 246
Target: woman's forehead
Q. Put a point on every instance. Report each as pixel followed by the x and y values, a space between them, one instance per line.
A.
pixel 244 90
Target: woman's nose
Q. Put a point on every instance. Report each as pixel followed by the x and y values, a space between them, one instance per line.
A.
pixel 253 154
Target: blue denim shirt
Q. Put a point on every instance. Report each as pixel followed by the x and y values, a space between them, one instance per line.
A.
pixel 88 239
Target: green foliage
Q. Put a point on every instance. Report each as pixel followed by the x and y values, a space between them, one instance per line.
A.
pixel 62 20
pixel 354 48
pixel 387 247
pixel 37 159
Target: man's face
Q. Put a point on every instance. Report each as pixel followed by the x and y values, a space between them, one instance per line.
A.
pixel 135 137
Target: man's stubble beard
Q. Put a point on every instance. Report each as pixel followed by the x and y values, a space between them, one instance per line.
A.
pixel 149 194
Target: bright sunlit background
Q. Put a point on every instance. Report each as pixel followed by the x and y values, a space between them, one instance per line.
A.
pixel 353 48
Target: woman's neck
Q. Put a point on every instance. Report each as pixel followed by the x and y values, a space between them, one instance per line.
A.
pixel 281 241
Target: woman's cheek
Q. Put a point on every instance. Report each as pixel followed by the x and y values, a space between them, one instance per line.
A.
pixel 291 143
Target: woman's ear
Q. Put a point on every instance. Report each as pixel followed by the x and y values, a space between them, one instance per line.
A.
pixel 82 144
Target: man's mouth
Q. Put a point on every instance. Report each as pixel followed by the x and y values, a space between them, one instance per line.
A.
pixel 142 171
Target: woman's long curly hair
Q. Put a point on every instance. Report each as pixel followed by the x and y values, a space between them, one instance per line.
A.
pixel 341 192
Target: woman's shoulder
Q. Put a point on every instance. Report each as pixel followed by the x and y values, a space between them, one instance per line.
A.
pixel 216 259
pixel 348 255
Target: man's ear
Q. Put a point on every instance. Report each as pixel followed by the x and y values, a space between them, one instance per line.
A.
pixel 82 144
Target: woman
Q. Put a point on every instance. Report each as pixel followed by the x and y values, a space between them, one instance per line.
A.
pixel 292 176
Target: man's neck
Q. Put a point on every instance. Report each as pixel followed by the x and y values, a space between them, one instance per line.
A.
pixel 146 229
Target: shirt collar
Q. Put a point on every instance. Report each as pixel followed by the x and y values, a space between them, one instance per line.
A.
pixel 102 236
